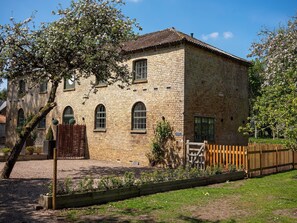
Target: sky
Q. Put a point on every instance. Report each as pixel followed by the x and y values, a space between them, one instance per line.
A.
pixel 231 25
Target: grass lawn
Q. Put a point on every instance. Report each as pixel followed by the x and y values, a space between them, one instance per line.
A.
pixel 269 199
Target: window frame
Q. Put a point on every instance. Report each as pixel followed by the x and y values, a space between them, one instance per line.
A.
pixel 68 87
pixel 142 76
pixel 206 131
pixel 101 120
pixel 43 87
pixel 139 121
pixel 21 122
pixel 22 87
pixel 68 118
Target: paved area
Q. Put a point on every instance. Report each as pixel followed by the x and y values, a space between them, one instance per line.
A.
pixel 29 179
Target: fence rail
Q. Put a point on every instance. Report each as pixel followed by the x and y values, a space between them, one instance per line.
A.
pixel 256 159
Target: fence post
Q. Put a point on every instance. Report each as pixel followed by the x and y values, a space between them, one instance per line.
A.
pixel 293 155
pixel 247 158
pixel 206 154
pixel 276 155
pixel 261 161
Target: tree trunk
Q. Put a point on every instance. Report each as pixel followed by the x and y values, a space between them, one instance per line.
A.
pixel 26 130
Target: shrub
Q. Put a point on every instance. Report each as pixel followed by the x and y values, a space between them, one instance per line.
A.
pixel 30 150
pixel 38 150
pixel 160 143
pixel 6 151
pixel 49 134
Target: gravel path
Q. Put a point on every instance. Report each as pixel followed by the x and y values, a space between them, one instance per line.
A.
pixel 29 179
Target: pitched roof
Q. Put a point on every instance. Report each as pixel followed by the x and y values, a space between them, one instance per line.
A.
pixel 170 37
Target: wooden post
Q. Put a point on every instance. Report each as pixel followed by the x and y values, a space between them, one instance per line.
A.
pixel 261 161
pixel 185 152
pixel 293 154
pixel 55 170
pixel 276 155
pixel 206 154
pixel 54 180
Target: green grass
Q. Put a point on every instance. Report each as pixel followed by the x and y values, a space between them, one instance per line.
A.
pixel 269 199
pixel 267 140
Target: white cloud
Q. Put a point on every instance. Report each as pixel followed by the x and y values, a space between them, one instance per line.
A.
pixel 216 35
pixel 213 35
pixel 228 35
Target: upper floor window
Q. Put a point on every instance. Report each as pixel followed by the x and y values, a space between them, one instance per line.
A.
pixel 69 83
pixel 100 117
pixel 139 116
pixel 204 129
pixel 140 70
pixel 67 115
pixel 42 123
pixel 21 118
pixel 43 87
pixel 22 87
pixel 100 82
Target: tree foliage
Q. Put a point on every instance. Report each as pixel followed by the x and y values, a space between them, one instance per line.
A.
pixel 85 41
pixel 3 94
pixel 276 105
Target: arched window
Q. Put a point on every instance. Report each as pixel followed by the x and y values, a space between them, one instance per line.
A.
pixel 21 118
pixel 22 87
pixel 67 115
pixel 42 123
pixel 100 117
pixel 139 116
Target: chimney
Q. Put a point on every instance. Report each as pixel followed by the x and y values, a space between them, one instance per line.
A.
pixel 192 35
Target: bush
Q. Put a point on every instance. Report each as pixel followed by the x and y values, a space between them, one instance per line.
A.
pixel 6 151
pixel 30 150
pixel 38 150
pixel 49 134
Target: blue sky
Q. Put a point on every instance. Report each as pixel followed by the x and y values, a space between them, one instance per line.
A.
pixel 231 25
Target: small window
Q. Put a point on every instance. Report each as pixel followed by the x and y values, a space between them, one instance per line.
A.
pixel 139 116
pixel 22 87
pixel 21 118
pixel 43 87
pixel 67 115
pixel 100 82
pixel 42 123
pixel 100 117
pixel 69 83
pixel 140 70
pixel 204 129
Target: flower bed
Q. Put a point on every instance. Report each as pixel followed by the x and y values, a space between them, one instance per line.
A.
pixel 131 189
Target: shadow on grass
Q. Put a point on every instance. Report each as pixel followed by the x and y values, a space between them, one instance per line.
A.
pixel 197 220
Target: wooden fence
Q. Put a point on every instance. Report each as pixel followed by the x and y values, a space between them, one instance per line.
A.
pixel 256 159
pixel 71 141
pixel 267 159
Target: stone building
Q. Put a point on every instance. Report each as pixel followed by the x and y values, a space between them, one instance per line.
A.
pixel 201 90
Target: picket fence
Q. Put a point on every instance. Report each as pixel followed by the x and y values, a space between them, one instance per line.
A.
pixel 256 159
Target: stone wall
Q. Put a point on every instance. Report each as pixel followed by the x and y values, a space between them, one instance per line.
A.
pixel 183 81
pixel 162 95
pixel 215 87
